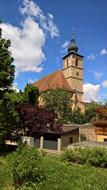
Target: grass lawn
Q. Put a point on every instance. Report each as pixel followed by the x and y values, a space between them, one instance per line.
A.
pixel 60 176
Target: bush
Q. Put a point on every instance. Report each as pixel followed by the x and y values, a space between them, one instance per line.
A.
pixel 93 156
pixel 98 157
pixel 25 166
pixel 76 155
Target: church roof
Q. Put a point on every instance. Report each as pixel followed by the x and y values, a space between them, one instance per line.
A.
pixel 52 81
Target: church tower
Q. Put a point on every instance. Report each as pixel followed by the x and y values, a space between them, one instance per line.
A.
pixel 73 69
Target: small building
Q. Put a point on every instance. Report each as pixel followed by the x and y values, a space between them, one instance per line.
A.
pixel 57 140
pixel 101 130
pixel 101 124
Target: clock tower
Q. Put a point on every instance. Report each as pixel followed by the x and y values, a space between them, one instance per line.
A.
pixel 73 69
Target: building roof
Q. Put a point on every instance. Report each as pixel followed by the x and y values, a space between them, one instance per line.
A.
pixel 52 81
pixel 61 130
pixel 73 53
pixel 67 129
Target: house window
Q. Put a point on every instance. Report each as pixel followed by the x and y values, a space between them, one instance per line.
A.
pixel 76 62
pixel 71 140
pixel 105 140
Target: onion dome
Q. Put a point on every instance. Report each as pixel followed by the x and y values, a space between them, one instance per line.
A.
pixel 72 46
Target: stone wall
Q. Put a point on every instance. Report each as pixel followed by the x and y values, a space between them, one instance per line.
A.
pixel 87 132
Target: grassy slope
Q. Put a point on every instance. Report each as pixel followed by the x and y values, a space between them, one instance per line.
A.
pixel 60 176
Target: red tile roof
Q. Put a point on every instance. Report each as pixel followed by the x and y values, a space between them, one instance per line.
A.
pixel 51 81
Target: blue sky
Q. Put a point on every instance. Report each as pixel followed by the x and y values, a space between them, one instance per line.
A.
pixel 40 31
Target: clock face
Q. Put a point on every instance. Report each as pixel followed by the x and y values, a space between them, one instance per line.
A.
pixel 77 73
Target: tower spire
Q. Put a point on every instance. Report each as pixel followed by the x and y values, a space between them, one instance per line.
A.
pixel 73 33
pixel 72 45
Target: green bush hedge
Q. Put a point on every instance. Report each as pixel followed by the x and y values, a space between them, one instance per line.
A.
pixel 25 166
pixel 93 156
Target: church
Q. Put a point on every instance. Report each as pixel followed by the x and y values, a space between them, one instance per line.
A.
pixel 70 78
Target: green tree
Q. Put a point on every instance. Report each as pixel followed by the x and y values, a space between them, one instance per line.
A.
pixel 32 94
pixel 58 100
pixel 7 70
pixel 77 117
pixel 90 112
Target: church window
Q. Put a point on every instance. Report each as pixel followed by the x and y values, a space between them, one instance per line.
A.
pixel 67 62
pixel 76 62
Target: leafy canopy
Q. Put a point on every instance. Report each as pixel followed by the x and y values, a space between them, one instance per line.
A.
pixel 57 100
pixel 7 69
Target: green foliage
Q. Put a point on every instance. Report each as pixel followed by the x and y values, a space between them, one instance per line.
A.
pixel 58 100
pixel 25 166
pixel 93 156
pixel 76 155
pixel 8 119
pixel 16 98
pixel 77 116
pixel 6 68
pixel 59 176
pixel 90 112
pixel 32 94
pixel 98 157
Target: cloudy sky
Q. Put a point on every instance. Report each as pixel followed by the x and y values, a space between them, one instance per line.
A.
pixel 40 31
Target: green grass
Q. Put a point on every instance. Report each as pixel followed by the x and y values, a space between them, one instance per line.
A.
pixel 60 176
pixel 5 178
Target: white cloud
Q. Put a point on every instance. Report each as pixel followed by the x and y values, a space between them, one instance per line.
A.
pixel 47 23
pixel 28 40
pixel 98 75
pixel 32 80
pixel 104 83
pixel 64 46
pixel 27 43
pixel 50 15
pixel 30 8
pixel 91 92
pixel 91 57
pixel 103 51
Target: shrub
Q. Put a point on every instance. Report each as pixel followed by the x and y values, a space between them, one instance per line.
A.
pixel 98 157
pixel 93 156
pixel 25 166
pixel 76 155
pixel 68 155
